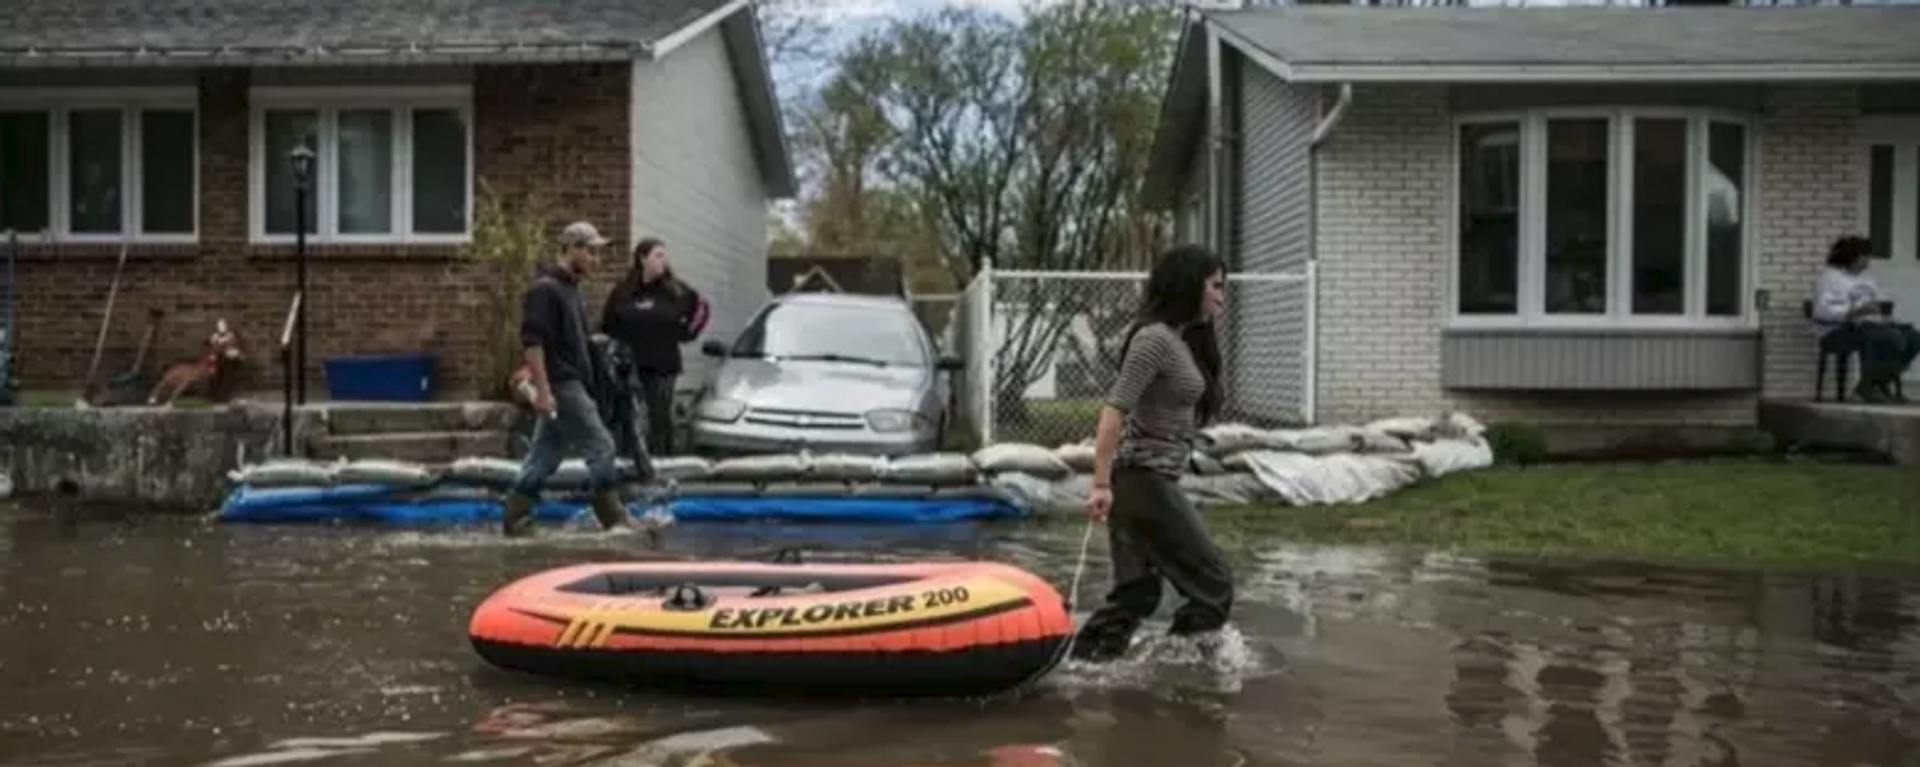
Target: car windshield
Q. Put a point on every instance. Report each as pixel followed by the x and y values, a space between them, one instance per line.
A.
pixel 824 331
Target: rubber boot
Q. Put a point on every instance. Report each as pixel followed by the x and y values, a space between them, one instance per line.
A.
pixel 608 509
pixel 517 519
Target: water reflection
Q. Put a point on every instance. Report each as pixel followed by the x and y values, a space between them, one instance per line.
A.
pixel 162 642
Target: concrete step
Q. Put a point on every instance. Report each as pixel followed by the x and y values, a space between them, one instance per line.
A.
pixel 357 418
pixel 418 447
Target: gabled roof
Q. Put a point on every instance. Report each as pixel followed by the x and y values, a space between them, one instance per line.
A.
pixel 1623 45
pixel 1356 44
pixel 206 33
pixel 58 31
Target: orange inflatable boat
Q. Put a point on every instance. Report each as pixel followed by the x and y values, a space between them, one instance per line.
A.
pixel 961 628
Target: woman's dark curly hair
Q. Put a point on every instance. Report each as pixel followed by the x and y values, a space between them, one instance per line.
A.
pixel 1848 251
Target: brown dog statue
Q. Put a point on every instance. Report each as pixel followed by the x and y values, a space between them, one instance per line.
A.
pixel 211 375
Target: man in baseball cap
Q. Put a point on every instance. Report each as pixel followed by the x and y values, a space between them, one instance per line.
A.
pixel 582 233
pixel 554 339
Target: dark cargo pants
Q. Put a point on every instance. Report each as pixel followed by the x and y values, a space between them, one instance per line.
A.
pixel 1155 535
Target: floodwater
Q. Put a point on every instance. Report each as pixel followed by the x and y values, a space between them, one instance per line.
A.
pixel 172 642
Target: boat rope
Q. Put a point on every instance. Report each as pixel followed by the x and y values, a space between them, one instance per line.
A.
pixel 1073 598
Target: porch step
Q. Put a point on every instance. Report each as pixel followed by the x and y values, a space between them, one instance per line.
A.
pixel 428 447
pixel 358 418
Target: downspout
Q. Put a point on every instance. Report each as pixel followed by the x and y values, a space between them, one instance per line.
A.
pixel 1328 122
pixel 1334 115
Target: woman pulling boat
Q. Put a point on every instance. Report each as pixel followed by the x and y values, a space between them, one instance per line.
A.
pixel 1168 384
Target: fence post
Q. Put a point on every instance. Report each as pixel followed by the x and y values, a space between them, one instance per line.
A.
pixel 1310 402
pixel 987 346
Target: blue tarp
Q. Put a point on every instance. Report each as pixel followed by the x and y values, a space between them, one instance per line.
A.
pixel 458 505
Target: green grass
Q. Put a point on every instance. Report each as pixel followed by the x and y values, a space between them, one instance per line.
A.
pixel 63 399
pixel 1050 422
pixel 1725 511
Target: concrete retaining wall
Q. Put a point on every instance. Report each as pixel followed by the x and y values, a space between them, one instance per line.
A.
pixel 159 457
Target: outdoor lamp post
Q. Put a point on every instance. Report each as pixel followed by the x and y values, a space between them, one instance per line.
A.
pixel 302 158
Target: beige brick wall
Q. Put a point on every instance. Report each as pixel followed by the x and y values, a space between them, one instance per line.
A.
pixel 1383 230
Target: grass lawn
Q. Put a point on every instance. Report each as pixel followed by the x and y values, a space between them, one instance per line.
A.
pixel 1726 511
pixel 63 399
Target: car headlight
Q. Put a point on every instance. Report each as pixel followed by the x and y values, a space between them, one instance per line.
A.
pixel 893 420
pixel 721 410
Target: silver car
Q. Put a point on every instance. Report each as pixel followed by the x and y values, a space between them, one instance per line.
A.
pixel 827 373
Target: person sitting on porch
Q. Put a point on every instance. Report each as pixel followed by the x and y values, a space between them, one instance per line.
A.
pixel 1847 297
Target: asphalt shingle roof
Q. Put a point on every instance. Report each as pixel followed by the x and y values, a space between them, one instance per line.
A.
pixel 1348 35
pixel 173 25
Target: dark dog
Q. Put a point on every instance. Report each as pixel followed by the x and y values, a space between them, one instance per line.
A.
pixel 211 375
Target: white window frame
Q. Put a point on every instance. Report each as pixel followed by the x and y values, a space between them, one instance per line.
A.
pixel 1532 312
pixel 58 104
pixel 329 101
pixel 1903 133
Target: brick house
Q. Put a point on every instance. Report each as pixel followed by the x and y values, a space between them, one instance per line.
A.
pixel 166 129
pixel 1601 216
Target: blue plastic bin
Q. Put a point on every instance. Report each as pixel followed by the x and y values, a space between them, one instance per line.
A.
pixel 382 378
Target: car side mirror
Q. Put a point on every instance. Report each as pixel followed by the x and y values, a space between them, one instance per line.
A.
pixel 951 364
pixel 713 348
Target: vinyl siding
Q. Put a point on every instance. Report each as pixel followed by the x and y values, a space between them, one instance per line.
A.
pixel 697 185
pixel 1267 318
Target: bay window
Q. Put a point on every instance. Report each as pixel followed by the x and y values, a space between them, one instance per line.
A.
pixel 392 165
pixel 1602 217
pixel 108 166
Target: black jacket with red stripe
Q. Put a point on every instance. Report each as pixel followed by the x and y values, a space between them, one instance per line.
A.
pixel 653 320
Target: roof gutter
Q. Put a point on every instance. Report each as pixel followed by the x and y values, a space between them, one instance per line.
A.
pixel 660 48
pixel 409 55
pixel 1785 72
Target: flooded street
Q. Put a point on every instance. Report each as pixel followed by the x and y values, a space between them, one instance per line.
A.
pixel 169 642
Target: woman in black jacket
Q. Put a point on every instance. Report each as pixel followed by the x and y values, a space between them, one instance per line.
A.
pixel 653 313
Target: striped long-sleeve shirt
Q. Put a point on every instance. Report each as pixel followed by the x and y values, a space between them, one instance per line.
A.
pixel 1158 387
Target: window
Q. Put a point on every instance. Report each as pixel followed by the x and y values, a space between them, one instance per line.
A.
pixel 391 164
pixel 101 166
pixel 1615 216
pixel 1893 195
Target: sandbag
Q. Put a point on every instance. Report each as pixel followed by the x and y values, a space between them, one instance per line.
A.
pixel 806 488
pixel 1078 456
pixel 1446 456
pixel 1207 465
pixel 484 471
pixel 1301 479
pixel 1410 428
pixel 1459 426
pixel 847 467
pixel 1324 440
pixel 715 489
pixel 762 468
pixel 572 472
pixel 1021 457
pixel 1225 489
pixel 1371 441
pixel 681 467
pixel 930 469
pixel 378 471
pixel 1224 439
pixel 284 472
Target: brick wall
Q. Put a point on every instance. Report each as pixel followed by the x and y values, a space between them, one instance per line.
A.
pixel 1383 248
pixel 559 131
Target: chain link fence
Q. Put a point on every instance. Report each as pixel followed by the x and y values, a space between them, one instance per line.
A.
pixel 1041 348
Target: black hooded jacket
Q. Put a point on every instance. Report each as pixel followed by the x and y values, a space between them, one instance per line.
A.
pixel 653 320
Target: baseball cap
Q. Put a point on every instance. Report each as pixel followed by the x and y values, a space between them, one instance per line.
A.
pixel 582 233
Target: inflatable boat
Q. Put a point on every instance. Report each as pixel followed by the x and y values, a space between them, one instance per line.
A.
pixel 939 629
